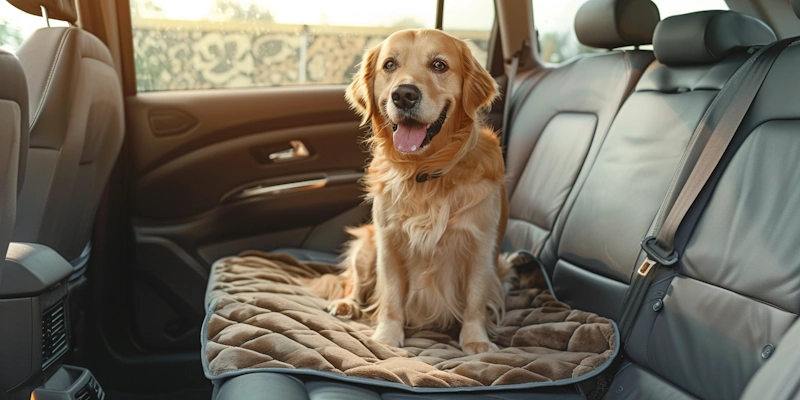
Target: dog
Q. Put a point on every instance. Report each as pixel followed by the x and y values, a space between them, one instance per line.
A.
pixel 436 181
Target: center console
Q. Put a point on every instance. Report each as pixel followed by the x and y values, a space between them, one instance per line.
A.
pixel 34 328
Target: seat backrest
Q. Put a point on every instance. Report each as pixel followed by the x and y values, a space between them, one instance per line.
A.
pixel 735 291
pixel 565 114
pixel 595 248
pixel 77 117
pixel 13 142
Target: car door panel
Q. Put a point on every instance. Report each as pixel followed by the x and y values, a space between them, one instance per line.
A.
pixel 216 172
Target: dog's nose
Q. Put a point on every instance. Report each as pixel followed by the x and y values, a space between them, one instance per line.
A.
pixel 406 97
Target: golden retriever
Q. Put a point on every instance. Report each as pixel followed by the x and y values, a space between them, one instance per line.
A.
pixel 436 182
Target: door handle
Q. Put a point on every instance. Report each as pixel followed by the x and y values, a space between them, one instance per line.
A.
pixel 298 151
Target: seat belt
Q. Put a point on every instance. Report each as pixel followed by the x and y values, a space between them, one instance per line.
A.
pixel 735 99
pixel 516 61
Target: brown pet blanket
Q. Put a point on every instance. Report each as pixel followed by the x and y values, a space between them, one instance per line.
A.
pixel 259 317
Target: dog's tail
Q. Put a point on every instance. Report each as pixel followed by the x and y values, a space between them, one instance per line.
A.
pixel 357 279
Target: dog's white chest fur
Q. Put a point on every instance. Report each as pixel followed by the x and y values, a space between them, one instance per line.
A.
pixel 435 238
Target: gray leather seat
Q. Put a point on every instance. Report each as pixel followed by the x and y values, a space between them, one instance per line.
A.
pixel 594 249
pixel 76 130
pixel 734 293
pixel 13 141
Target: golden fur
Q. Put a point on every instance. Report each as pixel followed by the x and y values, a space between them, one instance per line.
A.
pixel 431 257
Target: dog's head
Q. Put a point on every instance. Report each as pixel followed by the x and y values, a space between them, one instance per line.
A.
pixel 420 87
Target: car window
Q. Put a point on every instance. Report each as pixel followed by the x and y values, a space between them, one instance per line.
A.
pixel 206 44
pixel 16 25
pixel 554 21
pixel 471 20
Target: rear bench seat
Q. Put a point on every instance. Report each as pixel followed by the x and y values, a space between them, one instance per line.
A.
pixel 736 289
pixel 614 209
pixel 594 251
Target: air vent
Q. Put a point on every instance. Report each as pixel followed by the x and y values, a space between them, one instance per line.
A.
pixel 54 334
pixel 91 391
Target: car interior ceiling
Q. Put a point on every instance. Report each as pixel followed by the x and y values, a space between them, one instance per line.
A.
pixel 121 202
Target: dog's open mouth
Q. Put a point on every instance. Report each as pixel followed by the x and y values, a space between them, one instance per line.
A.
pixel 410 136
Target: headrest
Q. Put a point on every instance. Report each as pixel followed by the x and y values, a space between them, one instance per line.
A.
pixel 796 7
pixel 608 24
pixel 63 10
pixel 707 36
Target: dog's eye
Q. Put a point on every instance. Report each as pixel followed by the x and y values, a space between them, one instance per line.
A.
pixel 389 65
pixel 439 66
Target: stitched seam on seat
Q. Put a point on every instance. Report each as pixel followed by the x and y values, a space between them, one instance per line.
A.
pixel 737 293
pixel 530 223
pixel 50 77
pixel 98 60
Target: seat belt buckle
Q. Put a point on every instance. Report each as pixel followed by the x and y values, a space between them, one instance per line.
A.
pixel 655 255
pixel 646 266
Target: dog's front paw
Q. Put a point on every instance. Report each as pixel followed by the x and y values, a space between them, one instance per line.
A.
pixel 392 337
pixel 344 308
pixel 473 348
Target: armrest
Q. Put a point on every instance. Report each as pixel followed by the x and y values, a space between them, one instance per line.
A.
pixel 31 269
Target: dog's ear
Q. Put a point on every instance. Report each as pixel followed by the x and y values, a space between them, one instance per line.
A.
pixel 359 93
pixel 480 89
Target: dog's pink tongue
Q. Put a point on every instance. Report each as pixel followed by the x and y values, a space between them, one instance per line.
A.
pixel 408 138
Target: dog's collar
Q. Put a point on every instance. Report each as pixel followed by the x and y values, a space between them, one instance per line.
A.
pixel 424 177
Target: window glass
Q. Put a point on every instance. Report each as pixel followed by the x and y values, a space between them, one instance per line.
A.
pixel 668 8
pixel 471 20
pixel 554 21
pixel 16 25
pixel 205 44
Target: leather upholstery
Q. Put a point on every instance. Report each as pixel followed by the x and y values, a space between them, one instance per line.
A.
pixel 609 24
pixel 707 36
pixel 796 7
pixel 63 10
pixel 277 386
pixel 627 182
pixel 13 136
pixel 562 122
pixel 76 132
pixel 736 292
